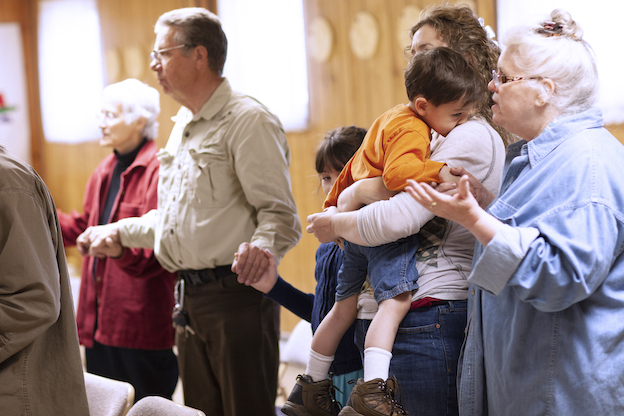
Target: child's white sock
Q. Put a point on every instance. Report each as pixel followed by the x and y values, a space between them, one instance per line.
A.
pixel 376 363
pixel 318 365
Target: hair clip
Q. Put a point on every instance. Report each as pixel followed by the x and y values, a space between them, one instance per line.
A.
pixel 488 30
pixel 552 27
pixel 549 29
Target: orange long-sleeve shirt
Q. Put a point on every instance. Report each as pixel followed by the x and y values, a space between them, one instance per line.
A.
pixel 396 148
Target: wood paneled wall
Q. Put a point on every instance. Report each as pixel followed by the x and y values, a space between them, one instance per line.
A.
pixel 344 90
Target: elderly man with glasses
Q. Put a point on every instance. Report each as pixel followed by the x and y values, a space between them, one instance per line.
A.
pixel 224 187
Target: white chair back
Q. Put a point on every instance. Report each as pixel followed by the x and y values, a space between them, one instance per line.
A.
pixel 108 397
pixel 159 406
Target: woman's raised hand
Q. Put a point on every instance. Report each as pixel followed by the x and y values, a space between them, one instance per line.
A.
pixel 461 207
pixel 458 207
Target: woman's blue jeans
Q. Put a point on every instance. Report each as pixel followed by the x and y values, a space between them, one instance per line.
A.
pixel 424 357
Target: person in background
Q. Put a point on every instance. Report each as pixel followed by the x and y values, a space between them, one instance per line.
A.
pixel 545 331
pixel 40 367
pixel 428 341
pixel 224 187
pixel 332 154
pixel 125 303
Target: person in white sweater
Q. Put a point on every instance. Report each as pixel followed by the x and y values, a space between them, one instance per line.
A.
pixel 433 330
pixel 427 346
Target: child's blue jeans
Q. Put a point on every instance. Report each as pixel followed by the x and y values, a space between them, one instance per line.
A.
pixel 391 269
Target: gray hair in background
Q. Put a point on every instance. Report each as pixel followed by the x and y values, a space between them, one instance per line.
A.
pixel 555 49
pixel 137 100
pixel 198 27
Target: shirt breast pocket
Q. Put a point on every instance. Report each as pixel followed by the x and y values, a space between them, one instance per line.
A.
pixel 209 178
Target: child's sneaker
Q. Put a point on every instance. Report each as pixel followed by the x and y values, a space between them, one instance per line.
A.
pixel 309 398
pixel 374 398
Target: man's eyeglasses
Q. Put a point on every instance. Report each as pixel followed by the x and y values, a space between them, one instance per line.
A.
pixel 500 78
pixel 156 53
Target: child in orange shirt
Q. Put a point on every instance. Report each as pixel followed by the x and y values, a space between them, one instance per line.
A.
pixel 442 89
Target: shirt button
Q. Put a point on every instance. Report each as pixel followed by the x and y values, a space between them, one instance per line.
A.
pixel 98 279
pixel 473 292
pixel 187 134
pixel 170 231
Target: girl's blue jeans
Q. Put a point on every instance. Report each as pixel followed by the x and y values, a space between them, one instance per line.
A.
pixel 424 357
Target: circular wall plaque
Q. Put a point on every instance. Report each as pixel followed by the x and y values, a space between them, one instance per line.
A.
pixel 321 39
pixel 364 35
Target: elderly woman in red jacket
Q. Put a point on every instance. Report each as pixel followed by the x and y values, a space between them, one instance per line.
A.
pixel 125 303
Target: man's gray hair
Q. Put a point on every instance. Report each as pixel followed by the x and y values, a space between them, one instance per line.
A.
pixel 198 27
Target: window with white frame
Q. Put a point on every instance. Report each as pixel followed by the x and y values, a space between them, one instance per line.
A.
pixel 266 55
pixel 601 24
pixel 70 69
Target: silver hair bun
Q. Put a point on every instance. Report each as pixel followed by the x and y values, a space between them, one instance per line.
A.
pixel 561 24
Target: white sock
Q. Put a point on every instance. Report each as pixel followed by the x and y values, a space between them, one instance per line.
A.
pixel 376 363
pixel 318 365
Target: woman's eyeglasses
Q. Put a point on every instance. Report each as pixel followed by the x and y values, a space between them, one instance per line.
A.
pixel 500 78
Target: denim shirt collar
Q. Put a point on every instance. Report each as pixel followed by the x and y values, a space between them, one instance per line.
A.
pixel 558 131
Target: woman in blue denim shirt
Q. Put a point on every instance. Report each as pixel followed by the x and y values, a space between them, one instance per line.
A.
pixel 547 286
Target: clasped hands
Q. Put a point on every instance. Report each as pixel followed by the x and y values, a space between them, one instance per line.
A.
pixel 100 241
pixel 250 261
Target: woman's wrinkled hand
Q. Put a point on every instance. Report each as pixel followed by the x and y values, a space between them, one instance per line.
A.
pixel 483 196
pixel 458 207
